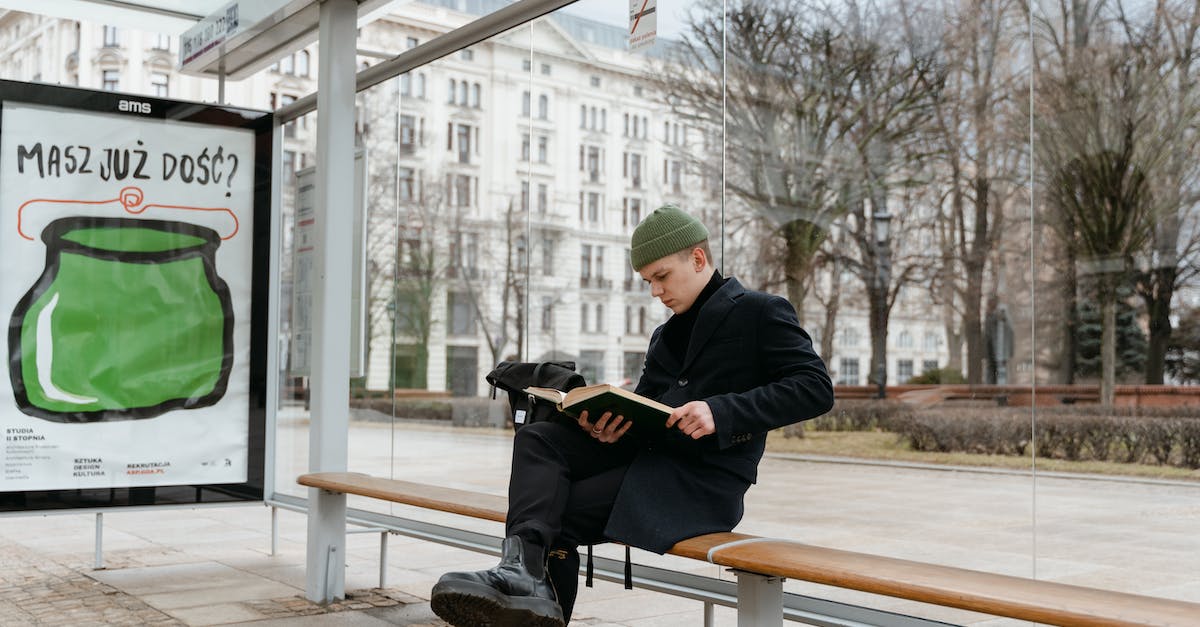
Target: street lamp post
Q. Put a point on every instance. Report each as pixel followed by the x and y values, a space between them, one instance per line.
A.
pixel 881 221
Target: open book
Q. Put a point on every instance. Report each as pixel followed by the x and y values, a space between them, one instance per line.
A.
pixel 646 413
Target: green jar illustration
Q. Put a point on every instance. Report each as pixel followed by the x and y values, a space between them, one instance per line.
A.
pixel 128 320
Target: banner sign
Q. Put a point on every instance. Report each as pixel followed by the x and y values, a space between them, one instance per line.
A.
pixel 129 245
pixel 643 23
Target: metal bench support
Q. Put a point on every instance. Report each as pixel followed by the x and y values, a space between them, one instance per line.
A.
pixel 760 600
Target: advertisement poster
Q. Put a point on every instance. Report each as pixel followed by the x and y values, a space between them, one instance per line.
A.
pixel 127 246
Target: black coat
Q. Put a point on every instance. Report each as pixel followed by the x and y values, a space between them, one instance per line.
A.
pixel 756 368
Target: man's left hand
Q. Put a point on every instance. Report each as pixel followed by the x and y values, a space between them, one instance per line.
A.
pixel 694 419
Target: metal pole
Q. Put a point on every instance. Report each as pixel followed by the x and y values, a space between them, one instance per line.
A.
pixel 383 547
pixel 274 529
pixel 99 561
pixel 221 80
pixel 708 614
pixel 326 555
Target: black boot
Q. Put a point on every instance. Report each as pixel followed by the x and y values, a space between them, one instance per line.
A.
pixel 516 593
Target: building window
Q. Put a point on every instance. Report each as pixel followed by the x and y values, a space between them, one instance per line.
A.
pixel 461 314
pixel 111 80
pixel 637 90
pixel 543 107
pixel 600 326
pixel 159 84
pixel 591 366
pixel 904 340
pixel 633 367
pixel 526 65
pixel 593 207
pixel 847 337
pixel 110 37
pixel 302 60
pixel 524 195
pixel 525 147
pixel 162 42
pixel 525 98
pixel 287 65
pixel 594 81
pixel 405 84
pixel 543 148
pixel 547 256
pixel 848 373
pixel 542 198
pixel 585 263
pixel 632 212
pixel 407 184
pixel 929 365
pixel 468 55
pixel 412 42
pixel 547 313
pixel 476 95
pixel 453 90
pixel 546 69
pixel 421 86
pixel 583 318
pixel 904 370
pixel 408 134
pixel 632 169
pixel 289 165
pixel 931 341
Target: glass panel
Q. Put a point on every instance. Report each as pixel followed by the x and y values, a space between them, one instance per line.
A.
pixel 297 202
pixel 1115 119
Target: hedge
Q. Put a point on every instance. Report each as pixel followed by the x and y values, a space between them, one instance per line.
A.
pixel 1162 436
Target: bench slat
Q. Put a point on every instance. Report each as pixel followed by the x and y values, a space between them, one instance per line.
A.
pixel 989 593
pixel 474 504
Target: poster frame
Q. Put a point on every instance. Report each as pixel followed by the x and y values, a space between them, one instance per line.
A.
pixel 263 290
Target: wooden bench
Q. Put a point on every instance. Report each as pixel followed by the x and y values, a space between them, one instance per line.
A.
pixel 765 562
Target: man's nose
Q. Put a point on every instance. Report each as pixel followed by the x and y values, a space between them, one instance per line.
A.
pixel 656 290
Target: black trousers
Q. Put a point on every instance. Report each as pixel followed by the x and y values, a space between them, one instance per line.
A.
pixel 560 493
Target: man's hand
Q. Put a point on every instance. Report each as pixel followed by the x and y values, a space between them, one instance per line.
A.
pixel 694 419
pixel 607 429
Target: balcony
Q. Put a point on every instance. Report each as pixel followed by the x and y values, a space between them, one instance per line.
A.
pixel 595 283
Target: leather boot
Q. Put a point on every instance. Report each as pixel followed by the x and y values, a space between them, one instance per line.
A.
pixel 508 595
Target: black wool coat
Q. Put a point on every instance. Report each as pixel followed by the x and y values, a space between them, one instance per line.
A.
pixel 754 365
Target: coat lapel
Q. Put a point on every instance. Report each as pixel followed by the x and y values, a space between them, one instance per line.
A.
pixel 711 315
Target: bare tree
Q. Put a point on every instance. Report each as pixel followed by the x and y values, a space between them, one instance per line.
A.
pixel 788 81
pixel 979 155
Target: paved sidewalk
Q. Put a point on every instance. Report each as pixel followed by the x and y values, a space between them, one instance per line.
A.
pixel 212 565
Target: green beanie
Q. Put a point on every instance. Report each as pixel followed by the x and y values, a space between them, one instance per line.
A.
pixel 668 230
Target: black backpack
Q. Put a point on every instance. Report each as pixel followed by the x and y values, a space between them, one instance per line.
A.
pixel 514 376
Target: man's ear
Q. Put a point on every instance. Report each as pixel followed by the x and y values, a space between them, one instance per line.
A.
pixel 698 258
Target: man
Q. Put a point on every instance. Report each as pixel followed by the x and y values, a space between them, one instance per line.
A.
pixel 734 363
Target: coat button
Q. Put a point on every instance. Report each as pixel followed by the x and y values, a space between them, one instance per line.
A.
pixel 682 382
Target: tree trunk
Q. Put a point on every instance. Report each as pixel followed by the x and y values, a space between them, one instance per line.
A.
pixel 1108 347
pixel 975 261
pixel 1158 309
pixel 802 240
pixel 1070 319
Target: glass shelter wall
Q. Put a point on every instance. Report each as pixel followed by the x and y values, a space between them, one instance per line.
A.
pixel 969 220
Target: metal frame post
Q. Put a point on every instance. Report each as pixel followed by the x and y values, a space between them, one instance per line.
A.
pixel 325 566
pixel 759 600
pixel 99 561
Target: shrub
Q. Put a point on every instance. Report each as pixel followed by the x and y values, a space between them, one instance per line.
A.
pixel 938 376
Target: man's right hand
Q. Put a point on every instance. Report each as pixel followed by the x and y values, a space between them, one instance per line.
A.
pixel 607 428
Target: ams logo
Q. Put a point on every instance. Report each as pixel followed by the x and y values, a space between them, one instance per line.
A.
pixel 133 106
